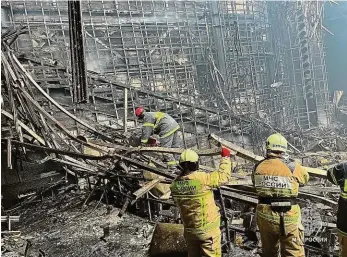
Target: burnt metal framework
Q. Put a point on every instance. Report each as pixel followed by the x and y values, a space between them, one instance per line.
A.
pixel 216 66
pixel 79 81
pixel 297 33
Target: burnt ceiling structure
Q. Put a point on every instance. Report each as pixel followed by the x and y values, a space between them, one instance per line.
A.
pixel 241 68
pixel 230 72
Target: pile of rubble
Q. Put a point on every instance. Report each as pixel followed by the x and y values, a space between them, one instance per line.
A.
pixel 102 168
pixel 50 230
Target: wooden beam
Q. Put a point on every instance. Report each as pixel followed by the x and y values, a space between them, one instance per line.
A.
pixel 144 189
pixel 315 172
pixel 317 198
pixel 25 127
pixel 241 152
pixel 200 152
pixel 248 155
pixel 240 182
pixel 240 197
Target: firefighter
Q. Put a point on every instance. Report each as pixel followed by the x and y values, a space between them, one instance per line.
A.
pixel 192 192
pixel 162 124
pixel 338 176
pixel 277 179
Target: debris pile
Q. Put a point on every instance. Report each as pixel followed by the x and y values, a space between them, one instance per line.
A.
pixel 49 230
pixel 99 165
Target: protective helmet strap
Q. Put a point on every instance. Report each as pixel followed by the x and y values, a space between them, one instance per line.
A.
pixel 189 166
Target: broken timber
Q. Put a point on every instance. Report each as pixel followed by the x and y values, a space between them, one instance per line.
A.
pixel 144 189
pixel 25 127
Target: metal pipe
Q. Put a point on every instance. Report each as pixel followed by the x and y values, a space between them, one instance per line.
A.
pixel 125 118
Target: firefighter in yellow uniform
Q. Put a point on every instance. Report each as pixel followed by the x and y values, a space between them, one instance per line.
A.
pixel 192 191
pixel 162 124
pixel 277 180
pixel 338 176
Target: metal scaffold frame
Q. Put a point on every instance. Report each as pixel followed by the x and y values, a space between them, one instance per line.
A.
pixel 213 65
pixel 303 57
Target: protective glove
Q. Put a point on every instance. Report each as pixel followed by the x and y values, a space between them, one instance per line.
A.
pixel 225 152
pixel 152 142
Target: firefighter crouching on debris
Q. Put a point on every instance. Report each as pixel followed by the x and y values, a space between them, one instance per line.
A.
pixel 192 192
pixel 162 124
pixel 276 180
pixel 338 176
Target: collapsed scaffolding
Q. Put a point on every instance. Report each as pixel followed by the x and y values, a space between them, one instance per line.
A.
pixel 216 66
pixel 211 65
pixel 129 174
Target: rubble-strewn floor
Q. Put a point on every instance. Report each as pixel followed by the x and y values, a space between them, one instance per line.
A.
pixel 63 233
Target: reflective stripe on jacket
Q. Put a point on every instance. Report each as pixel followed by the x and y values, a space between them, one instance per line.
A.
pixel 278 178
pixel 338 176
pixel 194 196
pixel 158 123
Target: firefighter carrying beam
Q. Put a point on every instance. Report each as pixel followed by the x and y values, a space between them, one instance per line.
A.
pixel 192 191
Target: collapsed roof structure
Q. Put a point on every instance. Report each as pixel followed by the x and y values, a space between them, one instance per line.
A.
pixel 238 70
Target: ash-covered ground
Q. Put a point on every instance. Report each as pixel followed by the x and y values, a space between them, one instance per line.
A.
pixel 60 228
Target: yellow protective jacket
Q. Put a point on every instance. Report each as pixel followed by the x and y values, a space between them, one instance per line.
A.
pixel 158 123
pixel 194 196
pixel 278 178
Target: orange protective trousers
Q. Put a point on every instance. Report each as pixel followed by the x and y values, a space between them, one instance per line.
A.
pixel 207 245
pixel 273 243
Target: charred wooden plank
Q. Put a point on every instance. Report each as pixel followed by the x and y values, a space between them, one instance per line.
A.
pixel 225 218
pixel 316 172
pixel 92 157
pixel 321 199
pixel 144 189
pixel 25 127
pixel 124 207
pixel 240 197
pixel 9 153
pixel 241 152
pixel 200 152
